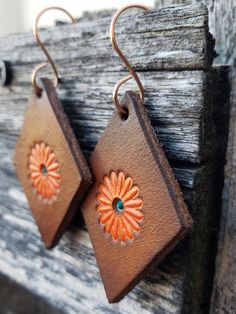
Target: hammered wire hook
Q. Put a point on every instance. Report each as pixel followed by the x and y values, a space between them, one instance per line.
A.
pixel 39 67
pixel 123 58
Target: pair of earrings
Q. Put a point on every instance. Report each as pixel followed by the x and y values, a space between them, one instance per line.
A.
pixel 131 203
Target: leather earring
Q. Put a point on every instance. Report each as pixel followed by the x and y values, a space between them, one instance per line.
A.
pixel 134 211
pixel 48 159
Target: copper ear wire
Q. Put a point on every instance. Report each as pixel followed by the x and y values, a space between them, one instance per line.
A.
pixel 39 67
pixel 123 58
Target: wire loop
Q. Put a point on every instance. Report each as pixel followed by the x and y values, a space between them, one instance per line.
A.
pixel 133 74
pixel 39 67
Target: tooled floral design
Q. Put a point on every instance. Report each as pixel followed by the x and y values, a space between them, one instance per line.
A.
pixel 44 172
pixel 119 206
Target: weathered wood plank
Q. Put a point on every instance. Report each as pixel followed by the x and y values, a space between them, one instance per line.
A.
pixel 222 24
pixel 14 298
pixel 92 35
pixel 224 293
pixel 222 19
pixel 175 101
pixel 182 106
pixel 172 38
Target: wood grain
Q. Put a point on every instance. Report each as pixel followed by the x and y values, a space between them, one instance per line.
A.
pixel 173 51
pixel 223 298
pixel 222 24
pixel 172 38
pixel 174 101
pixel 222 17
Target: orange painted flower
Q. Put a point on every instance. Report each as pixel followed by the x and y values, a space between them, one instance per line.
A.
pixel 44 171
pixel 119 206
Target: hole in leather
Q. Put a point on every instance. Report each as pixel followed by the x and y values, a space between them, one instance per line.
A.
pixel 118 205
pixel 124 116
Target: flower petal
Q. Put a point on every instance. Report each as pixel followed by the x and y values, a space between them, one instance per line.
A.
pixel 123 235
pixel 54 175
pixel 131 194
pixel 108 185
pixel 46 189
pixel 53 167
pixel 54 182
pixel 52 186
pixel 102 209
pixel 128 229
pixel 35 175
pixel 106 217
pixel 103 200
pixel 33 168
pixel 134 225
pixel 42 149
pixel 40 186
pixel 136 214
pixel 37 181
pixel 37 149
pixel 105 192
pixel 122 230
pixel 136 203
pixel 51 191
pixel 34 161
pixel 114 182
pixel 114 229
pixel 120 182
pixel 51 159
pixel 126 186
pixel 36 155
pixel 46 154
pixel 109 224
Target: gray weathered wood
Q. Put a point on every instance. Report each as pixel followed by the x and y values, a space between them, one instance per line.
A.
pixel 182 107
pixel 222 24
pixel 171 38
pixel 223 299
pixel 224 293
pixel 174 100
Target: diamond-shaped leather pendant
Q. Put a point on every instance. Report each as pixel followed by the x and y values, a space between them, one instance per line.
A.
pixel 134 211
pixel 50 164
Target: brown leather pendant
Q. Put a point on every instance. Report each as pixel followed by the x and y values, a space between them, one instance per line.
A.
pixel 50 165
pixel 135 212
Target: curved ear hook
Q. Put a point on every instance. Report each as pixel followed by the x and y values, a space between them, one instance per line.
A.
pixel 123 58
pixel 37 88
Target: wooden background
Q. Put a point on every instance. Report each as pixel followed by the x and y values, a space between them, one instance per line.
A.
pixel 188 103
pixel 222 24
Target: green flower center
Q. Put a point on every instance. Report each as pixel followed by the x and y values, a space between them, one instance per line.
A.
pixel 43 169
pixel 118 205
